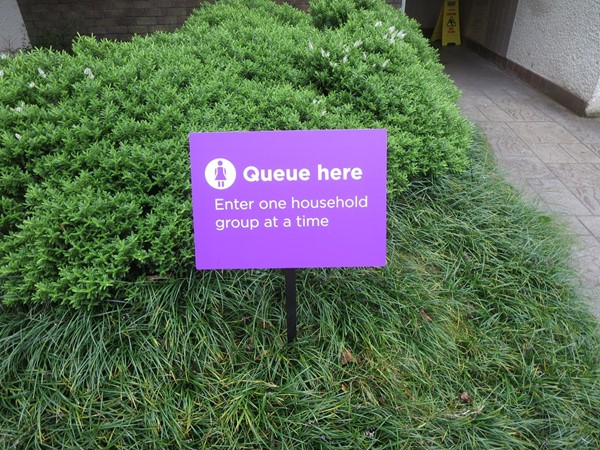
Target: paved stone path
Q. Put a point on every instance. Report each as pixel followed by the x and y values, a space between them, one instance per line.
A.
pixel 546 151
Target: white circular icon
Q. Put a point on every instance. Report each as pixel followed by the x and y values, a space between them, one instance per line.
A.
pixel 220 173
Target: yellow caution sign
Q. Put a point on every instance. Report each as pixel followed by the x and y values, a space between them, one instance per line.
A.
pixel 447 27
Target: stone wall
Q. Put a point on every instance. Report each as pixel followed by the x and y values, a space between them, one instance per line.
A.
pixel 56 22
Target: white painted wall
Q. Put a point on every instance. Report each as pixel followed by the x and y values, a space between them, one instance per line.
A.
pixel 560 41
pixel 593 108
pixel 13 34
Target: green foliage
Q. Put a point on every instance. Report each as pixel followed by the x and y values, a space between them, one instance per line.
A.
pixel 470 338
pixel 95 190
pixel 330 13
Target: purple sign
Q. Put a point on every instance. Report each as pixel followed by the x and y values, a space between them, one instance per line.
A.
pixel 289 199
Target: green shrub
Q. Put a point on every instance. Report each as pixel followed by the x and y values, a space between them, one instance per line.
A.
pixel 95 189
pixel 330 13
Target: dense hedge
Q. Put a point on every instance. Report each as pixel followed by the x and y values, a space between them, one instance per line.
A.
pixel 94 185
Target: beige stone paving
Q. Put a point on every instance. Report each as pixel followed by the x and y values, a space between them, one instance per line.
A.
pixel 546 151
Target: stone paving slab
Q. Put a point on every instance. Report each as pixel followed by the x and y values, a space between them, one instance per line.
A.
pixel 547 152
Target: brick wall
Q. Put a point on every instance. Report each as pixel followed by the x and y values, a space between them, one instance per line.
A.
pixel 56 22
pixel 303 4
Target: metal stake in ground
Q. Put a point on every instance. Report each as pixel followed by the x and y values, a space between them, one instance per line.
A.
pixel 290 303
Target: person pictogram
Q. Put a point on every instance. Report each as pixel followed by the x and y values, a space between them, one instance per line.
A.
pixel 220 175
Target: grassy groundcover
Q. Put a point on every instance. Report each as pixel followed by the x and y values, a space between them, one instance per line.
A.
pixel 471 337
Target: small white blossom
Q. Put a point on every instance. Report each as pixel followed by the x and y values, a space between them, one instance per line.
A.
pixel 18 136
pixel 364 56
pixel 357 43
pixel 378 23
pixel 310 46
pixel 370 433
pixel 31 84
pixel 41 73
pixel 344 59
pixel 333 64
pixel 385 63
pixel 323 113
pixel 395 34
pixel 3 56
pixel 346 49
pixel 316 101
pixel 88 72
pixel 18 109
pixel 324 54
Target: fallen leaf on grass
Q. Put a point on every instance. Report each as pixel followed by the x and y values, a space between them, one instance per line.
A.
pixel 466 398
pixel 347 357
pixel 158 277
pixel 426 316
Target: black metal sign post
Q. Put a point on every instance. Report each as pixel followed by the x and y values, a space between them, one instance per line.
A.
pixel 290 303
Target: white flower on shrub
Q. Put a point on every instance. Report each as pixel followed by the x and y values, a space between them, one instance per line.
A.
pixel 31 84
pixel 19 107
pixel 357 43
pixel 325 54
pixel 385 63
pixel 394 34
pixel 88 72
pixel 378 24
pixel 3 56
pixel 323 113
pixel 311 47
pixel 344 59
pixel 316 101
pixel 18 136
pixel 42 73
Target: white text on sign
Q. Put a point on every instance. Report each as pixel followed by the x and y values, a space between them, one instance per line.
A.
pixel 254 174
